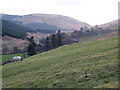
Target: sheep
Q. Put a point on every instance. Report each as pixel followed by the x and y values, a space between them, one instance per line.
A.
pixel 17 58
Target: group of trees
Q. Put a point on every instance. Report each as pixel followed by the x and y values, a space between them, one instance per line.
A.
pixel 53 41
pixel 50 42
pixel 58 39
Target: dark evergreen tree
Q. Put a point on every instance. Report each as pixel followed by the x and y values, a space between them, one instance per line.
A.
pixel 39 48
pixel 31 47
pixel 59 38
pixel 81 28
pixel 47 44
pixel 53 41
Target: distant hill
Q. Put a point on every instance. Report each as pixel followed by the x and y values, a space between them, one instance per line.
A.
pixel 14 30
pixel 43 27
pixel 46 21
pixel 110 25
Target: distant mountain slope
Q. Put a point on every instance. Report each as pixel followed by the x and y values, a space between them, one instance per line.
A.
pixel 13 29
pixel 110 25
pixel 57 21
pixel 43 27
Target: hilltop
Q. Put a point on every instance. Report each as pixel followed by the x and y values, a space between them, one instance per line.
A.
pixel 46 21
pixel 92 64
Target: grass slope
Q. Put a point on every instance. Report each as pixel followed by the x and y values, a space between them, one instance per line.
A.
pixel 9 57
pixel 65 67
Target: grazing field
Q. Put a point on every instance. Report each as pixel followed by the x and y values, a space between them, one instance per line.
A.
pixel 92 64
pixel 10 56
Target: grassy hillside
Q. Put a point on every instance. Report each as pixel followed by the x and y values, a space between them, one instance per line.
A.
pixel 38 21
pixel 65 67
pixel 10 56
pixel 42 26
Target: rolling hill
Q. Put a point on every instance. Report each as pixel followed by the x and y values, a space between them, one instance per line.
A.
pixel 46 21
pixel 91 64
pixel 110 25
pixel 14 30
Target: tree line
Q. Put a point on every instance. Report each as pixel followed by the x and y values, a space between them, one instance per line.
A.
pixel 55 40
pixel 51 42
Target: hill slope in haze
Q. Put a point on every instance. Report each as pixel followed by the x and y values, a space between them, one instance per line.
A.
pixel 51 20
pixel 110 25
pixel 83 65
pixel 13 29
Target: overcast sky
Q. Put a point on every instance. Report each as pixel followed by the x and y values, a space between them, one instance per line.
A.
pixel 90 11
